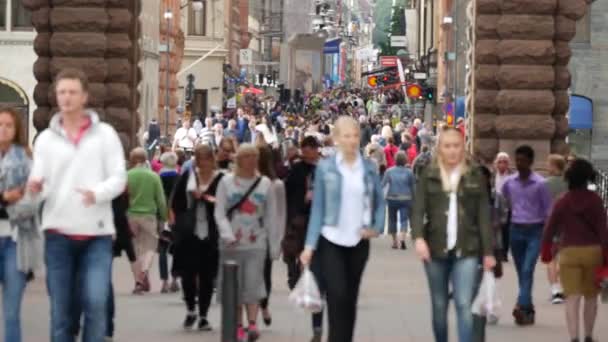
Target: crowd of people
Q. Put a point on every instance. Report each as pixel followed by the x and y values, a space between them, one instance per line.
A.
pixel 310 185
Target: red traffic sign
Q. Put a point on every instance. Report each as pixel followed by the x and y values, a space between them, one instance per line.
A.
pixel 388 61
pixel 372 81
pixel 414 91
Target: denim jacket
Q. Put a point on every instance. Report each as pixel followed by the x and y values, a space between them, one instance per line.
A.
pixel 327 194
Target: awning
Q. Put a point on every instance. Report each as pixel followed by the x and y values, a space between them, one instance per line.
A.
pixel 580 115
pixel 332 46
pixel 377 71
pixel 252 90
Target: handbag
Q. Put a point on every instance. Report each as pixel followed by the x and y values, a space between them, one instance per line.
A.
pixel 185 222
pixel 232 209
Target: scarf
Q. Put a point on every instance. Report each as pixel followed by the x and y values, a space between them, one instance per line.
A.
pixel 14 172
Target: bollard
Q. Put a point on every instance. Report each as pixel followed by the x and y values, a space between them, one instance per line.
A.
pixel 229 300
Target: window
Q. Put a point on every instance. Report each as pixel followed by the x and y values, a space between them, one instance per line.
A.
pixel 583 29
pixel 197 21
pixel 2 14
pixel 22 18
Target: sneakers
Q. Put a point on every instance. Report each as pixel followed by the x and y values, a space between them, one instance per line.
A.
pixel 254 334
pixel 241 335
pixel 317 337
pixel 557 298
pixel 492 319
pixel 523 316
pixel 139 289
pixel 165 288
pixel 189 321
pixel 203 325
pixel 403 245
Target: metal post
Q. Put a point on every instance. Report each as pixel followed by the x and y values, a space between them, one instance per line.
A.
pixel 229 301
pixel 168 78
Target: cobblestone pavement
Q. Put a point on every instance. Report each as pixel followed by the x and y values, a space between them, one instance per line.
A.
pixel 394 306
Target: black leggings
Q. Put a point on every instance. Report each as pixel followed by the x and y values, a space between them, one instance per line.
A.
pixel 267 281
pixel 342 269
pixel 200 267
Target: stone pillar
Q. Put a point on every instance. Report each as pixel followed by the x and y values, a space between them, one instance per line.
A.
pixel 521 74
pixel 97 37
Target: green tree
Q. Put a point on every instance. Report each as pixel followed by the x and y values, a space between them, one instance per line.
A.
pixel 382 19
pixel 388 19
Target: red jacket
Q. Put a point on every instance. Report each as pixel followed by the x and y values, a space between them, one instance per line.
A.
pixel 390 151
pixel 412 153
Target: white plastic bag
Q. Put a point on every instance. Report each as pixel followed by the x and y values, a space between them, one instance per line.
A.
pixel 487 303
pixel 306 294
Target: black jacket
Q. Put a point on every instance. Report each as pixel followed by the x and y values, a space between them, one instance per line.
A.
pixel 298 210
pixel 179 202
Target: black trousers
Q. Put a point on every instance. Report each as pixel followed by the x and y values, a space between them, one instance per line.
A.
pixel 200 262
pixel 506 236
pixel 342 268
pixel 267 281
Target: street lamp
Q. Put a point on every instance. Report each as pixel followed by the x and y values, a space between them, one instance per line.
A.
pixel 168 17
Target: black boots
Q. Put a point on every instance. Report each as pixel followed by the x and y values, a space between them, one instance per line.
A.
pixel 524 316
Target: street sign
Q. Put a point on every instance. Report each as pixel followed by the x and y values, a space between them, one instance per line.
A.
pixel 365 54
pixel 163 48
pixel 245 57
pixel 398 41
pixel 388 61
pixel 420 76
pixel 231 103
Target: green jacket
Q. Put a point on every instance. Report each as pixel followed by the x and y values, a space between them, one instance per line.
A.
pixel 146 194
pixel 429 213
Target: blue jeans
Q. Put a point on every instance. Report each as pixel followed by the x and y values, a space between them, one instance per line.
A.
pixel 398 207
pixel 88 265
pixel 13 285
pixel 525 247
pixel 462 273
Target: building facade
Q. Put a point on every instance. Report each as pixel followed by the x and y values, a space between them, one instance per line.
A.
pixel 589 69
pixel 209 43
pixel 17 82
pixel 149 87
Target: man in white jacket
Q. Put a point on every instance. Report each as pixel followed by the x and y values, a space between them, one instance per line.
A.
pixel 78 169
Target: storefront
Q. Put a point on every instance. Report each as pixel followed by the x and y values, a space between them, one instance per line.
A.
pixel 331 53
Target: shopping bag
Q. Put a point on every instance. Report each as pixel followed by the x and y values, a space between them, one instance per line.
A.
pixel 306 294
pixel 487 302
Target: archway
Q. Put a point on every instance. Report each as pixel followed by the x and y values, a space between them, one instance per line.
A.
pixel 12 95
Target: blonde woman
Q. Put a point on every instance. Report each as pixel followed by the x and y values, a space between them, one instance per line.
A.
pixel 451 194
pixel 385 134
pixel 245 212
pixel 348 209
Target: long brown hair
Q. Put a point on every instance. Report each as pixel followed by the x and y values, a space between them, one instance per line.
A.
pixel 266 162
pixel 19 138
pixel 203 152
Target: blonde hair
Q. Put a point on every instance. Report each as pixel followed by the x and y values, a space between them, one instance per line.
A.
pixel 558 161
pixel 387 132
pixel 445 177
pixel 344 121
pixel 243 151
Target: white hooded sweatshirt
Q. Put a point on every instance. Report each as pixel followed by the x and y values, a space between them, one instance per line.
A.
pixel 96 163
